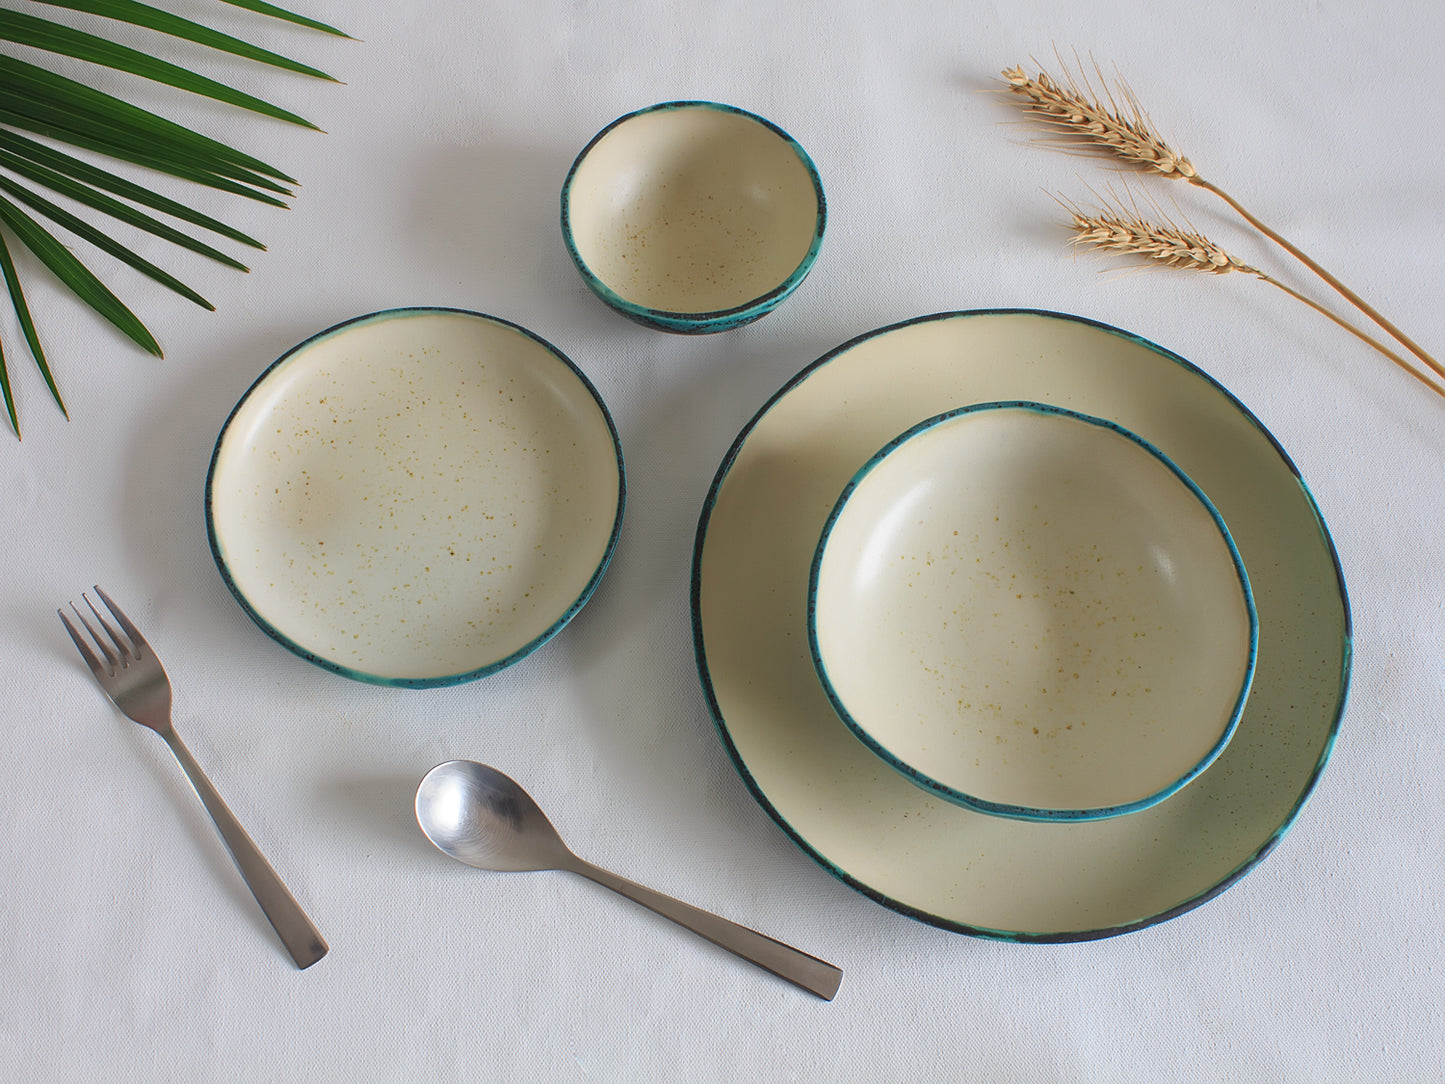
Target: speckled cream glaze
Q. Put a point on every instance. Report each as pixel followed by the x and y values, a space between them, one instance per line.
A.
pixel 943 863
pixel 1033 613
pixel 417 497
pixel 693 217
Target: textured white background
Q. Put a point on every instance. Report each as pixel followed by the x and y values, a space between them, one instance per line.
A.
pixel 131 948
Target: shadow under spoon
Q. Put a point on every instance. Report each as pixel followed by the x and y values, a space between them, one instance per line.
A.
pixel 483 818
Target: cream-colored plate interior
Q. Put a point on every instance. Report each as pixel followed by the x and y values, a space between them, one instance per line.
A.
pixel 941 862
pixel 1033 612
pixel 416 497
pixel 692 209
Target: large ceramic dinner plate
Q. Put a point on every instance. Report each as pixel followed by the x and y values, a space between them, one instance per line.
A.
pixel 417 497
pixel 950 866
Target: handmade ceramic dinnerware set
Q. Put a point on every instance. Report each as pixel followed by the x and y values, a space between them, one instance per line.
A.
pixel 1017 623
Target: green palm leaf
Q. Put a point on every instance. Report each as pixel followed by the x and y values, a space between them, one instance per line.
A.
pixel 99 201
pixel 138 14
pixel 64 111
pixel 35 91
pixel 5 387
pixel 44 34
pixel 32 338
pixel 61 217
pixel 272 10
pixel 32 117
pixel 75 275
pixel 43 157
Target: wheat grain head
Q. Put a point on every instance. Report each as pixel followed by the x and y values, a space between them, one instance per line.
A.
pixel 1123 230
pixel 1084 121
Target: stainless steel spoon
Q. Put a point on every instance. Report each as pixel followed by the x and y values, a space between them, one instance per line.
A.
pixel 481 817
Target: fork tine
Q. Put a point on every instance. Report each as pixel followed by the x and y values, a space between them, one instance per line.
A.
pixel 111 657
pixel 126 651
pixel 136 638
pixel 92 660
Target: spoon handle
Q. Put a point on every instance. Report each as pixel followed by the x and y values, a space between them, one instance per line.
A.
pixel 812 974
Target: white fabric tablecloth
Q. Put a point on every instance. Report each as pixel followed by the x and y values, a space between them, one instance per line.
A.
pixel 132 949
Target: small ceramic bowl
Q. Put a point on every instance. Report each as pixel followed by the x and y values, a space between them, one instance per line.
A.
pixel 693 217
pixel 1032 613
pixel 418 497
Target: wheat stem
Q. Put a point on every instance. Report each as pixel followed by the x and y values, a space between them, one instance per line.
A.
pixel 1120 129
pixel 1339 287
pixel 1396 358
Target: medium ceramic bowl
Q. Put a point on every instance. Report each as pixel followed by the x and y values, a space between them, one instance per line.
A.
pixel 693 217
pixel 418 497
pixel 1033 613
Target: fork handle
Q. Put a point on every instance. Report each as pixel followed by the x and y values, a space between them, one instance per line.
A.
pixel 301 938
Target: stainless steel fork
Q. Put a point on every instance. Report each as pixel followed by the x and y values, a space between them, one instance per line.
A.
pixel 131 675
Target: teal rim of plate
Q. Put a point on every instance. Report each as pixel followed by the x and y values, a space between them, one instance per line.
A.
pixel 1005 809
pixel 717 319
pixel 1250 862
pixel 493 667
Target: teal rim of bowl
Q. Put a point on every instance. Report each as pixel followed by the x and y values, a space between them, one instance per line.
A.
pixel 442 679
pixel 962 798
pixel 717 319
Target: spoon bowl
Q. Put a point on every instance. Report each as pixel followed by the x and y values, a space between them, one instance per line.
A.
pixel 483 818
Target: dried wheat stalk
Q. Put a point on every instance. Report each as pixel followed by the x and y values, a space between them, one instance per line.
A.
pixel 1122 230
pixel 1119 128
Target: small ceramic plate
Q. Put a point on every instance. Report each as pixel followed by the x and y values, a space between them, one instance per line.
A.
pixel 930 859
pixel 1033 613
pixel 416 497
